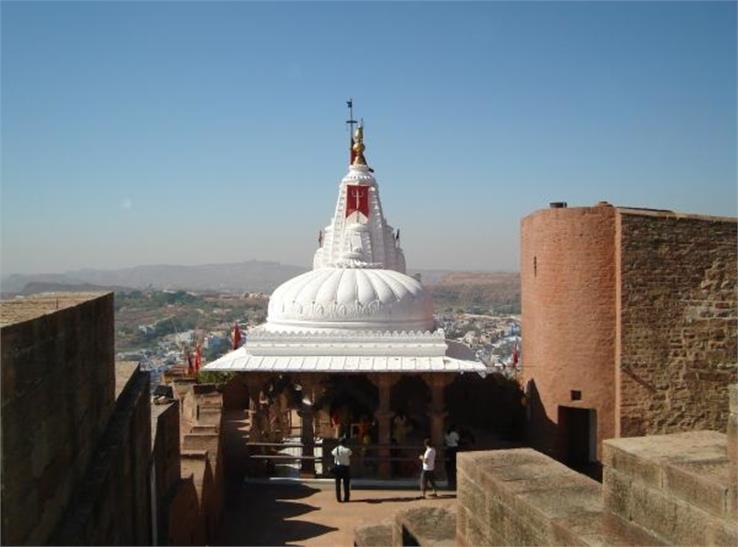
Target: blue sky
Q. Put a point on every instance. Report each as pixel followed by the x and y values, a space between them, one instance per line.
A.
pixel 186 133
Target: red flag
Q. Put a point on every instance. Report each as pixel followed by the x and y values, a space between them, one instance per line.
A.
pixel 357 199
pixel 198 358
pixel 188 356
pixel 236 336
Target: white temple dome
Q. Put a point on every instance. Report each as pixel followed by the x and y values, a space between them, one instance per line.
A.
pixel 350 298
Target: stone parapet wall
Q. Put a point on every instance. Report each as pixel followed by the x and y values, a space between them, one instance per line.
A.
pixel 58 394
pixel 431 526
pixel 677 486
pixel 186 526
pixel 165 455
pixel 677 313
pixel 428 526
pixel 196 510
pixel 111 504
pixel 522 497
pixel 374 535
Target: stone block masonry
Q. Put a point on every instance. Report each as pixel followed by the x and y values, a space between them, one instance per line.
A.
pixel 85 461
pixel 629 325
pixel 677 316
pixel 522 497
pixel 196 508
pixel 58 394
pixel 166 468
pixel 677 486
pixel 111 505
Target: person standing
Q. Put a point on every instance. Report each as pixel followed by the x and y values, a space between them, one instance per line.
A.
pixel 342 471
pixel 427 475
pixel 452 447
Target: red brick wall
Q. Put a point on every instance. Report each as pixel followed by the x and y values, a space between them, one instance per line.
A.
pixel 568 317
pixel 677 322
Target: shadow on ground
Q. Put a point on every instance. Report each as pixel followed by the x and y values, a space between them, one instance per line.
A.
pixel 267 516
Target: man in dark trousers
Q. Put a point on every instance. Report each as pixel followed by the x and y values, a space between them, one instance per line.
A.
pixel 452 447
pixel 342 460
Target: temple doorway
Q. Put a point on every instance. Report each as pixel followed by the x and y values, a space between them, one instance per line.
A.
pixel 409 401
pixel 346 407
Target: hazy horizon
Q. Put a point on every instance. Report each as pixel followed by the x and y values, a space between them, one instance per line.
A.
pixel 205 133
pixel 6 274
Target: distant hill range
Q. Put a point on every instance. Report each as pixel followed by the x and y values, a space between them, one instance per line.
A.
pixel 450 289
pixel 477 291
pixel 253 276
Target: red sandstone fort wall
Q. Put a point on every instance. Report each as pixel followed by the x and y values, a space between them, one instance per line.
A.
pixel 568 318
pixel 111 505
pixel 676 321
pixel 58 383
pixel 166 467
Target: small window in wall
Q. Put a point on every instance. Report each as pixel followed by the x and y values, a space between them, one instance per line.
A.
pixel 535 266
pixel 576 395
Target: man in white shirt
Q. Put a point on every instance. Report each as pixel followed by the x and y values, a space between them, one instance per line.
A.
pixel 342 471
pixel 427 475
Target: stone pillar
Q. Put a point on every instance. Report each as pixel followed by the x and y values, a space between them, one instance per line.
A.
pixel 437 411
pixel 307 432
pixel 383 415
pixel 254 383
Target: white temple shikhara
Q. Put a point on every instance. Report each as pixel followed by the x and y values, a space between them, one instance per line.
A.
pixel 355 312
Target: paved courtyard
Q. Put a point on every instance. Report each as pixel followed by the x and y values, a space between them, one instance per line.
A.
pixel 308 514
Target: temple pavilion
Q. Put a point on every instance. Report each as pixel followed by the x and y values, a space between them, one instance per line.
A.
pixel 356 313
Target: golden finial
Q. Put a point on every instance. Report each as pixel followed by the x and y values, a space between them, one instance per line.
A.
pixel 359 147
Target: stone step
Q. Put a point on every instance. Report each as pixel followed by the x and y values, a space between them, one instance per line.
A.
pixel 374 535
pixel 522 497
pixel 670 518
pixel 692 467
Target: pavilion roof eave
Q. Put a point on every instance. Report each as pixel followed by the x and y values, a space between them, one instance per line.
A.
pixel 241 361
